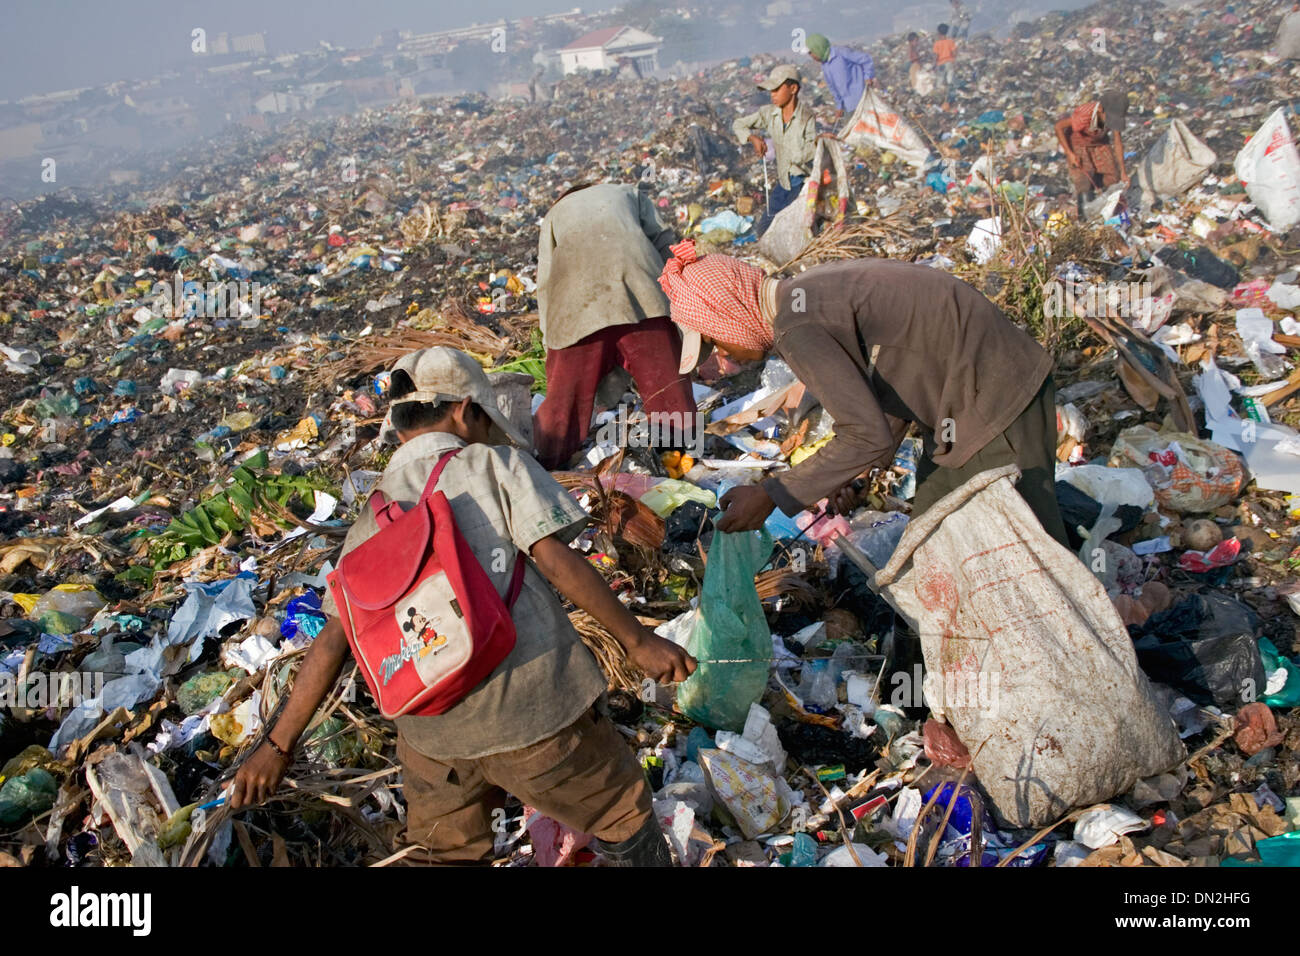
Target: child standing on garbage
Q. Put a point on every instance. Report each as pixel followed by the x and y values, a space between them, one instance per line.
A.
pixel 1091 139
pixel 880 344
pixel 847 72
pixel 793 131
pixel 531 727
pixel 945 60
pixel 960 20
pixel 599 254
pixel 913 60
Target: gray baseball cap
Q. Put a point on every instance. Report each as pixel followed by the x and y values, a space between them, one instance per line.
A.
pixel 444 374
pixel 782 73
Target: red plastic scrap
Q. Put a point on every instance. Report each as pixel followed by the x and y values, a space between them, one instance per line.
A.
pixel 1256 729
pixel 943 747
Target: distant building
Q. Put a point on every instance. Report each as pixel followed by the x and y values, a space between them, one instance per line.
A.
pixel 249 43
pixel 611 48
pixel 224 44
pixel 278 102
pixel 168 109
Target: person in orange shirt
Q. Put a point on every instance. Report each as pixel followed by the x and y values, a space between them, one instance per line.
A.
pixel 945 53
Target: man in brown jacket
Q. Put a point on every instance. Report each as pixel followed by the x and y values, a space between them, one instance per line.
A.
pixel 881 344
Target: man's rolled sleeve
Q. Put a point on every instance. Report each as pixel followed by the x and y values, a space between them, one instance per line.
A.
pixel 747 126
pixel 661 237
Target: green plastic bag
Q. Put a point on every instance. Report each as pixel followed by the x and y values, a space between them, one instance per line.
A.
pixel 1289 695
pixel 27 796
pixel 1281 850
pixel 730 626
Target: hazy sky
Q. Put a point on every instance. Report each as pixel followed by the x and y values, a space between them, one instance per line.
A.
pixel 58 44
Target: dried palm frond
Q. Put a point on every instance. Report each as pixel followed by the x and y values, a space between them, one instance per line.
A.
pixel 780 582
pixel 617 513
pixel 621 674
pixel 375 352
pixel 857 239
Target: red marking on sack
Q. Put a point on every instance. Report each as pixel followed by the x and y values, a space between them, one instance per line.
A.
pixel 937 591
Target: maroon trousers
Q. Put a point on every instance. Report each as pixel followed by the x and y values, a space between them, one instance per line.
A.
pixel 650 351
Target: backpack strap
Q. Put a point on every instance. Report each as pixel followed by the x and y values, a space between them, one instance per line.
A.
pixel 437 471
pixel 382 507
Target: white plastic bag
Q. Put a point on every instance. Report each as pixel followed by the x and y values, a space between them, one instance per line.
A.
pixel 876 123
pixel 1026 655
pixel 985 239
pixel 1109 486
pixel 1270 168
pixel 1101 826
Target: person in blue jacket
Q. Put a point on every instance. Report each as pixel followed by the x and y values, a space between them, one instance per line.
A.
pixel 847 72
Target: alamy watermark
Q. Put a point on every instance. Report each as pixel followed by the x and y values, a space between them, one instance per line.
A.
pixel 75 909
pixel 956 690
pixel 632 429
pixel 222 299
pixel 1124 300
pixel 41 690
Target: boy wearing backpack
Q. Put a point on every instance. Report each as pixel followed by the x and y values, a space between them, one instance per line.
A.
pixel 529 727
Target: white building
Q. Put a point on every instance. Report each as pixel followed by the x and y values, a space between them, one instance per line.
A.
pixel 610 48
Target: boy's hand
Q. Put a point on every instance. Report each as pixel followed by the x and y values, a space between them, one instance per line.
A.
pixel 257 779
pixel 660 659
pixel 760 146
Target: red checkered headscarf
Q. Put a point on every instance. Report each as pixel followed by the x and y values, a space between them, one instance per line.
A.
pixel 716 296
pixel 1084 119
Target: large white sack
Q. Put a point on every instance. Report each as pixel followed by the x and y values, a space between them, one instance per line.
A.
pixel 1026 656
pixel 1176 162
pixel 876 123
pixel 794 226
pixel 1288 37
pixel 1270 168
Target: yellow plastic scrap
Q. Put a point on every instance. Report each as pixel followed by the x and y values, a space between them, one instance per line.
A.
pixel 26 601
pixel 1055 223
pixel 807 451
pixel 298 437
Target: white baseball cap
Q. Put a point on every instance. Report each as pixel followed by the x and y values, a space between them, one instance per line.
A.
pixel 694 350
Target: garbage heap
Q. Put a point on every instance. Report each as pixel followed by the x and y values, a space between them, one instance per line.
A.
pixel 195 381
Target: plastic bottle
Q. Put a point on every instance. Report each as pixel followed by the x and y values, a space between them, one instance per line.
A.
pixel 817 685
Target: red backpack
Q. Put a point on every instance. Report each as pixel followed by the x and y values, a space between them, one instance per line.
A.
pixel 424 620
